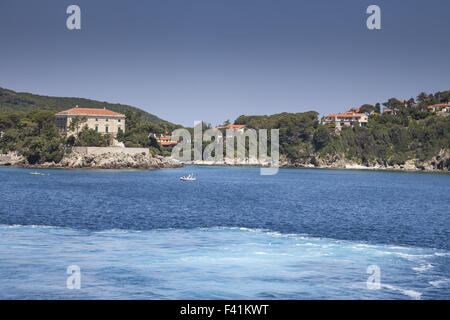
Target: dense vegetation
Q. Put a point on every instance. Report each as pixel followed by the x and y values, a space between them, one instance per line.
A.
pixel 33 133
pixel 11 101
pixel 296 130
pixel 139 132
pixel 412 133
pixel 27 123
pixel 390 139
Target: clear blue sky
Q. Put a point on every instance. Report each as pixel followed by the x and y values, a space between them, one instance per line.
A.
pixel 213 60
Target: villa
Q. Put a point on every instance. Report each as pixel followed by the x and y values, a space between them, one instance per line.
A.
pixel 101 120
pixel 351 118
pixel 440 109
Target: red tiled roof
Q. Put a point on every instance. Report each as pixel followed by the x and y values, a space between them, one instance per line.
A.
pixel 439 105
pixel 164 138
pixel 231 126
pixel 345 115
pixel 89 112
pixel 168 143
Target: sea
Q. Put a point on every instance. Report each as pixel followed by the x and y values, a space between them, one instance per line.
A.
pixel 231 234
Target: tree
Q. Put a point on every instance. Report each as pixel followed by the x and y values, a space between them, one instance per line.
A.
pixel 422 97
pixel 377 108
pixel 132 120
pixel 367 108
pixel 39 149
pixel 91 138
pixel 393 104
pixel 154 143
pixel 443 97
pixel 321 138
pixel 76 122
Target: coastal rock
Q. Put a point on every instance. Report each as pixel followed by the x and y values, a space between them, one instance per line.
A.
pixel 12 159
pixel 103 161
pixel 117 160
pixel 409 165
pixel 439 163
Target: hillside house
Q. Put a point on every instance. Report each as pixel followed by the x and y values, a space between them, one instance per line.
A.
pixel 165 141
pixel 348 118
pixel 440 109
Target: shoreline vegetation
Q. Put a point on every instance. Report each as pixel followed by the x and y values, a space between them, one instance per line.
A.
pixel 436 165
pixel 411 137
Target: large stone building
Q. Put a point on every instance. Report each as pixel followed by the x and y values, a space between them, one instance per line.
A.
pixel 351 118
pixel 101 120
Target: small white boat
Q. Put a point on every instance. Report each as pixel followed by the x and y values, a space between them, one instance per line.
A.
pixel 189 177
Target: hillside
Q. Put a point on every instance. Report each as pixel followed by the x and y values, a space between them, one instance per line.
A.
pixel 18 101
pixel 413 134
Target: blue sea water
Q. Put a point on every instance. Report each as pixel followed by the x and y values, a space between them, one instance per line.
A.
pixel 232 234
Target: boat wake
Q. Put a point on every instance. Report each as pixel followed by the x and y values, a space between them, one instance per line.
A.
pixel 211 263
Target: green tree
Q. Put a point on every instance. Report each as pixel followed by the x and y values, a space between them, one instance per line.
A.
pixel 377 108
pixel 91 138
pixel 321 138
pixel 367 108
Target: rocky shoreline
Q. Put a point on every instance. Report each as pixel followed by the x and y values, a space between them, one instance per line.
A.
pixel 439 163
pixel 109 160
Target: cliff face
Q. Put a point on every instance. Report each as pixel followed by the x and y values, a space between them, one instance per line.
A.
pixel 102 161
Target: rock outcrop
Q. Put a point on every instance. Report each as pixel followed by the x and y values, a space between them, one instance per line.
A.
pixel 439 163
pixel 103 161
pixel 111 160
pixel 12 159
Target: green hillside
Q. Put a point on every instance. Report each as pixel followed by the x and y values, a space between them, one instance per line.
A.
pixel 413 133
pixel 11 101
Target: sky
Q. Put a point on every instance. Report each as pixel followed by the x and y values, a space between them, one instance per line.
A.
pixel 213 60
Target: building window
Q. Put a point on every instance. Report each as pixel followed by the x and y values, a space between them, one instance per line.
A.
pixel 106 119
pixel 96 128
pixel 96 119
pixel 106 129
pixel 119 120
pixel 118 129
